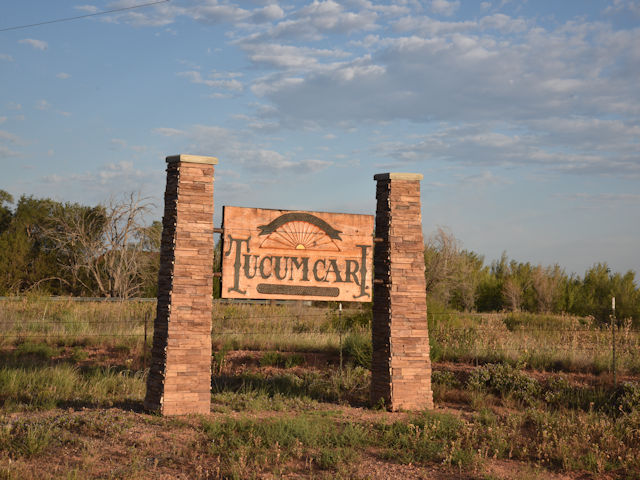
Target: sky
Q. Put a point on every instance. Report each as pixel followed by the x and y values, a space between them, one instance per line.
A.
pixel 523 116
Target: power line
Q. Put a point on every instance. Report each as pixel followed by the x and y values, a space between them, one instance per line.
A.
pixel 83 16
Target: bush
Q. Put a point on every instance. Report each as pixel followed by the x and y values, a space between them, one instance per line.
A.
pixel 504 380
pixel 628 397
pixel 358 349
pixel 445 379
pixel 277 359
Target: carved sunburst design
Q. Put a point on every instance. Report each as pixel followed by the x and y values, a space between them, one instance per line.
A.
pixel 299 235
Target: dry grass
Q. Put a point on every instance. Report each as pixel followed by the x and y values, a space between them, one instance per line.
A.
pixel 546 342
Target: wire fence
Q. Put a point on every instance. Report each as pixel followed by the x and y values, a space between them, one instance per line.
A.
pixel 543 341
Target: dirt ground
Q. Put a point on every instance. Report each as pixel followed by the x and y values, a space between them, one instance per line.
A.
pixel 126 442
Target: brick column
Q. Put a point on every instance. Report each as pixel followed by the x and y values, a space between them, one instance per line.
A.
pixel 401 367
pixel 179 380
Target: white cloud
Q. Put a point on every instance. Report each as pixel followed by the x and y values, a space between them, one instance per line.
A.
pixel 256 160
pixel 618 6
pixel 63 75
pixel 6 139
pixel 87 8
pixel 602 198
pixel 224 81
pixel 267 14
pixel 9 137
pixel 111 177
pixel 551 86
pixel 6 57
pixel 484 179
pixel 444 7
pixel 37 44
pixel 118 143
pixel 43 105
pixel 169 132
pixel 507 146
pixel 288 56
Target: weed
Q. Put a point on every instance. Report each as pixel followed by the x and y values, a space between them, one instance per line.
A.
pixel 277 359
pixel 219 358
pixel 358 348
pixel 243 444
pixel 35 351
pixel 51 386
pixel 26 439
pixel 628 397
pixel 506 381
pixel 78 354
pixel 427 438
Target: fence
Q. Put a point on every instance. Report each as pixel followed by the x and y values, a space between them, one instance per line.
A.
pixel 543 342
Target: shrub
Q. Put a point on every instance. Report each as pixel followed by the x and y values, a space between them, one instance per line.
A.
pixel 504 380
pixel 358 349
pixel 277 359
pixel 628 397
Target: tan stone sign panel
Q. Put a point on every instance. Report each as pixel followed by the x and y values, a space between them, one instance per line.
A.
pixel 284 254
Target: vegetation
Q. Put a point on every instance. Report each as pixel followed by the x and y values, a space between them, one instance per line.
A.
pixel 531 387
pixel 283 332
pixel 71 249
pixel 459 279
pixel 109 251
pixel 67 414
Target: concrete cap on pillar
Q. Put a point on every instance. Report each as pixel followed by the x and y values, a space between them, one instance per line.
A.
pixel 398 176
pixel 192 159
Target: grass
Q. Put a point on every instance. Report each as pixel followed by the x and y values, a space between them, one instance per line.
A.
pixel 34 388
pixel 349 386
pixel 306 442
pixel 70 401
pixel 543 342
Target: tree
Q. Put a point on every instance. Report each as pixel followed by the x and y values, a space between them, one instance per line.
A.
pixel 546 285
pixel 5 213
pixel 516 288
pixel 452 274
pixel 103 247
pixel 467 276
pixel 26 260
pixel 440 258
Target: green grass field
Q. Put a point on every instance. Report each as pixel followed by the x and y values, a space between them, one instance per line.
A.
pixel 517 396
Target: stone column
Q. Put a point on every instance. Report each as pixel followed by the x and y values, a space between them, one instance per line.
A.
pixel 179 380
pixel 401 367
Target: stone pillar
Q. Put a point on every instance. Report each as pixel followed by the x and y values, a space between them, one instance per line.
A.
pixel 179 380
pixel 401 367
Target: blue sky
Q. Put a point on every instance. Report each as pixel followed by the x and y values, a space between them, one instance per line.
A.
pixel 522 116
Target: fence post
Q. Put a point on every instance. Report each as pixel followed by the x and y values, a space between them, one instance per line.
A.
pixel 144 345
pixel 340 327
pixel 613 341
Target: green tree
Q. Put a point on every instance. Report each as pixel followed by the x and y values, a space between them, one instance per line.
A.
pixel 5 213
pixel 26 261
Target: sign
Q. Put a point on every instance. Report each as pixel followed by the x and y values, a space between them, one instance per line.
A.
pixel 282 254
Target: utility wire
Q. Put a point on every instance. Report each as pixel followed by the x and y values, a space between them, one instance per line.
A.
pixel 83 16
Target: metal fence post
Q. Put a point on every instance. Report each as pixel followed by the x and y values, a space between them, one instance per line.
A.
pixel 613 340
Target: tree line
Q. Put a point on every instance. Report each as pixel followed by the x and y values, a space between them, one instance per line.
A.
pixel 60 248
pixel 111 250
pixel 459 279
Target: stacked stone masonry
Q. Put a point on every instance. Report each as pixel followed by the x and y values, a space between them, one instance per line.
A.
pixel 401 366
pixel 179 380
